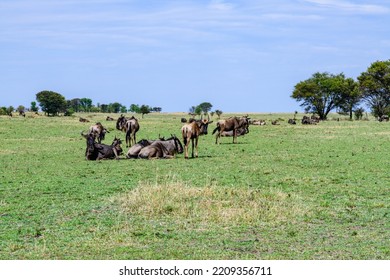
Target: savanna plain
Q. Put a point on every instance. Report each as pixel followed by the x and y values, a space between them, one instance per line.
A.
pixel 282 192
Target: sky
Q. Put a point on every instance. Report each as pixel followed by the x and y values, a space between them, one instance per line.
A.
pixel 239 55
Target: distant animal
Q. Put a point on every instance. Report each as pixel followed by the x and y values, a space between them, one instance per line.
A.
pixel 162 149
pixel 231 124
pixel 96 151
pixel 183 120
pixel 307 120
pixel 257 122
pixel 109 118
pixel 292 121
pixel 99 131
pixel 383 118
pixel 83 120
pixel 130 126
pixel 191 132
pixel 275 122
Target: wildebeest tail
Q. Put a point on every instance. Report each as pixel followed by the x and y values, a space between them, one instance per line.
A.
pixel 217 128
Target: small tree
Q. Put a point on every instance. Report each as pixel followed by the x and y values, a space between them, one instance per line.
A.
pixel 205 107
pixel 51 102
pixel 34 107
pixel 134 108
pixel 144 109
pixel 219 113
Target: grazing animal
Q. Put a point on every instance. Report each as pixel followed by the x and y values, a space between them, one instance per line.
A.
pixel 83 120
pixel 99 131
pixel 96 151
pixel 130 126
pixel 191 132
pixel 109 118
pixel 231 124
pixel 162 149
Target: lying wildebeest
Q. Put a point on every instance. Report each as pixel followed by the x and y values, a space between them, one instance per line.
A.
pixel 307 120
pixel 136 148
pixel 130 126
pixel 99 131
pixel 240 131
pixel 191 132
pixel 383 118
pixel 109 118
pixel 162 149
pixel 292 121
pixel 183 120
pixel 96 151
pixel 83 120
pixel 231 124
pixel 257 122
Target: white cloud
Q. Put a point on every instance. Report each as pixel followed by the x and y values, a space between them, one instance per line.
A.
pixel 351 7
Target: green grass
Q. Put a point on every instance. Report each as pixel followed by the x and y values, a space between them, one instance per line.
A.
pixel 283 192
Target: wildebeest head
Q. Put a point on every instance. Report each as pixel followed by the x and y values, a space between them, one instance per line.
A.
pixel 116 143
pixel 203 126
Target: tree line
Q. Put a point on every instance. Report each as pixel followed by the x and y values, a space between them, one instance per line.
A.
pixel 53 103
pixel 324 92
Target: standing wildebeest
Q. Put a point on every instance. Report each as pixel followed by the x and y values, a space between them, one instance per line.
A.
pixel 162 149
pixel 96 151
pixel 191 132
pixel 99 131
pixel 130 126
pixel 231 124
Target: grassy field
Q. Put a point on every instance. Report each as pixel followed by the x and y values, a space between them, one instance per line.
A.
pixel 283 192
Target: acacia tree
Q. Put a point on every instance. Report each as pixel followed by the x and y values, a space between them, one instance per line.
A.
pixel 375 87
pixel 320 94
pixel 51 102
pixel 350 97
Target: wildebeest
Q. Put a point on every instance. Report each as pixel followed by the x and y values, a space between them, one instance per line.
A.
pixel 99 131
pixel 231 124
pixel 130 126
pixel 240 131
pixel 136 148
pixel 109 118
pixel 83 120
pixel 191 132
pixel 383 118
pixel 307 120
pixel 162 149
pixel 96 151
pixel 257 122
pixel 292 121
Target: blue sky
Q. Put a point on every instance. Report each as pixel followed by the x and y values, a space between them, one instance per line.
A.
pixel 241 56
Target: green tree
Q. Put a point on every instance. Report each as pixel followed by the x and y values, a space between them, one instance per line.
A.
pixel 205 107
pixel 134 108
pixel 34 106
pixel 115 107
pixel 144 109
pixel 86 104
pixel 320 94
pixel 51 102
pixel 350 96
pixel 375 87
pixel 75 104
pixel 219 113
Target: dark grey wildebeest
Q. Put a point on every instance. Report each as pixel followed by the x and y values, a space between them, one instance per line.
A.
pixel 162 149
pixel 130 126
pixel 99 131
pixel 97 151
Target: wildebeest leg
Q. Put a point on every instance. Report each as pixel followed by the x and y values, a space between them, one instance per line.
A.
pixel 196 147
pixel 115 153
pixel 192 142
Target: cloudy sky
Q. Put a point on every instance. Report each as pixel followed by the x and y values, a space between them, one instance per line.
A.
pixel 239 55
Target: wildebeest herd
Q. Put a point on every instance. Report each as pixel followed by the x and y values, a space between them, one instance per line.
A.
pixel 165 148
